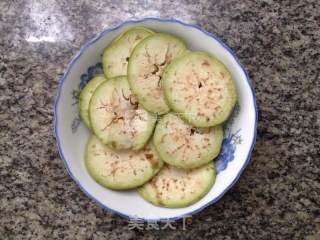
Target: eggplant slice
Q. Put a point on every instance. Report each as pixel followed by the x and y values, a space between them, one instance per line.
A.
pixel 146 65
pixel 184 146
pixel 120 170
pixel 85 97
pixel 200 88
pixel 176 188
pixel 116 56
pixel 116 117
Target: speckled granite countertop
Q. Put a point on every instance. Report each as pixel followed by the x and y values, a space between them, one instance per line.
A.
pixel 278 196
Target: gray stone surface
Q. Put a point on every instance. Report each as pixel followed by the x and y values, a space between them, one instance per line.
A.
pixel 278 195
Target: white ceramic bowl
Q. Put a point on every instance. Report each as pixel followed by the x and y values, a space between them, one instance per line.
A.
pixel 72 135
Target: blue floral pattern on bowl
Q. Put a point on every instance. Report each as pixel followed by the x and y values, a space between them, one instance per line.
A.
pixel 229 143
pixel 91 72
pixel 228 149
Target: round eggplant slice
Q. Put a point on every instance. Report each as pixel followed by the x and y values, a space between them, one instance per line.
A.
pixel 200 88
pixel 145 69
pixel 184 146
pixel 176 188
pixel 120 170
pixel 116 56
pixel 85 96
pixel 117 119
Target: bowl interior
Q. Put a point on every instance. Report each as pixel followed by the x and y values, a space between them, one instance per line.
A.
pixel 72 134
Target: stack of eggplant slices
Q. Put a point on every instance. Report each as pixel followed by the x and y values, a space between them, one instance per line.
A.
pixel 156 118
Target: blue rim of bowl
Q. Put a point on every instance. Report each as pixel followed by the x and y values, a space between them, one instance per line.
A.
pixel 96 38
